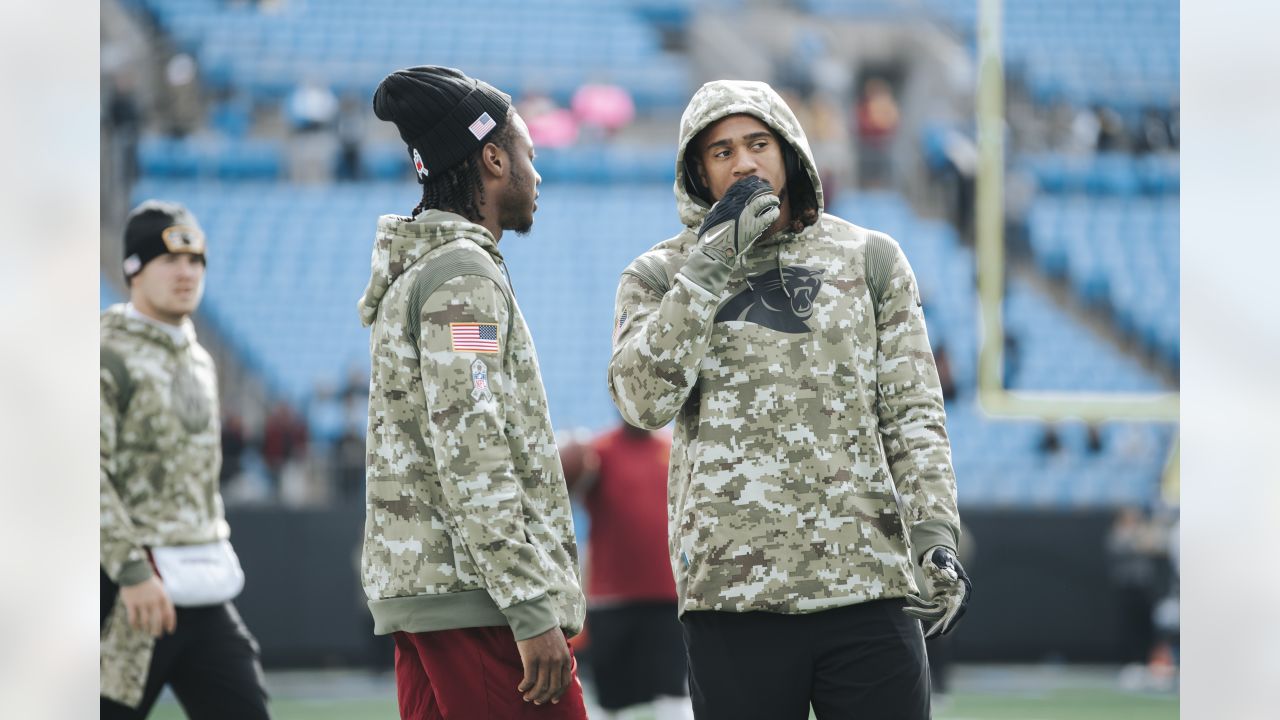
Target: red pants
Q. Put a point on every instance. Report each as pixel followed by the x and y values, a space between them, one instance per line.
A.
pixel 471 674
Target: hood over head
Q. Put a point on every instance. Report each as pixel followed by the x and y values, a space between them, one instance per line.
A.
pixel 722 98
pixel 402 241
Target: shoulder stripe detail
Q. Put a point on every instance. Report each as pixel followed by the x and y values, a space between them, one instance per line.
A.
pixel 880 259
pixel 650 272
pixel 442 269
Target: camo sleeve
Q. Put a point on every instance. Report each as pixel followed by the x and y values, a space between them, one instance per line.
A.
pixel 912 416
pixel 469 407
pixel 121 553
pixel 660 338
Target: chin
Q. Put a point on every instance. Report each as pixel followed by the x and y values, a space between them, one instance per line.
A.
pixel 183 308
pixel 523 228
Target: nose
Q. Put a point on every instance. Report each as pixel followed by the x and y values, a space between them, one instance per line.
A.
pixel 189 268
pixel 745 165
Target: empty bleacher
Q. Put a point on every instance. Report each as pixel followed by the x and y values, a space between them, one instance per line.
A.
pixel 1000 462
pixel 1085 52
pixel 351 46
pixel 1118 253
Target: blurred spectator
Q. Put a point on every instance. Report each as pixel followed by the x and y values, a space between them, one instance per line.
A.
pixel 124 124
pixel 1093 439
pixel 1050 443
pixel 349 464
pixel 603 108
pixel 1136 549
pixel 355 389
pixel 1154 134
pixel 942 359
pixel 795 69
pixel 555 129
pixel 1012 358
pixel 959 177
pixel 233 444
pixel 637 652
pixel 550 126
pixel 877 121
pixel 312 111
pixel 351 120
pixel 1112 134
pixel 284 439
pixel 1168 610
pixel 1083 137
pixel 181 105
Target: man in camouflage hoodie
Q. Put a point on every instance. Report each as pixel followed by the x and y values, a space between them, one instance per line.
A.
pixel 811 468
pixel 160 456
pixel 469 553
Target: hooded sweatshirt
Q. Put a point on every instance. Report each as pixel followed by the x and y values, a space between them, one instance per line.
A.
pixel 468 521
pixel 160 446
pixel 810 462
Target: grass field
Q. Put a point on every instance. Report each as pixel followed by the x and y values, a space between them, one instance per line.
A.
pixel 1005 693
pixel 1058 705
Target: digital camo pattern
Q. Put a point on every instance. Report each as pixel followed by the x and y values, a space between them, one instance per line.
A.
pixel 806 463
pixel 160 459
pixel 464 485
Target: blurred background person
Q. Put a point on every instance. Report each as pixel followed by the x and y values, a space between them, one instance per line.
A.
pixel 168 571
pixel 1136 549
pixel 637 653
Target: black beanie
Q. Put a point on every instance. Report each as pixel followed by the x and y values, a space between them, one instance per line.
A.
pixel 157 227
pixel 442 115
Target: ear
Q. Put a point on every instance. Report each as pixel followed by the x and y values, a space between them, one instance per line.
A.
pixel 493 160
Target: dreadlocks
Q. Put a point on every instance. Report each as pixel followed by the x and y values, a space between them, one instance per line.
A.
pixel 459 189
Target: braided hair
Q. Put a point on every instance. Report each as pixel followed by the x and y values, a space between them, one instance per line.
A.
pixel 459 189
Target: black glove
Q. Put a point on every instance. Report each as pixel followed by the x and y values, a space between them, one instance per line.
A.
pixel 951 590
pixel 731 227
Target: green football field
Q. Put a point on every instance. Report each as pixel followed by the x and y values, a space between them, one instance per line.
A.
pixel 1056 705
pixel 1029 693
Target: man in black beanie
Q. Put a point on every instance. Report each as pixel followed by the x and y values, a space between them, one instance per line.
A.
pixel 445 118
pixel 469 557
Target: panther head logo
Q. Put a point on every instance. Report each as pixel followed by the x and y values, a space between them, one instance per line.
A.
pixel 780 301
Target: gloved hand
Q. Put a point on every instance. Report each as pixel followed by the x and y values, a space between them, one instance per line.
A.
pixel 951 590
pixel 732 226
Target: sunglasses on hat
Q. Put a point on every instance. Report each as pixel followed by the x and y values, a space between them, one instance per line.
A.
pixel 183 239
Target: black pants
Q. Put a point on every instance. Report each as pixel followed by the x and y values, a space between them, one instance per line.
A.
pixel 637 653
pixel 211 662
pixel 861 661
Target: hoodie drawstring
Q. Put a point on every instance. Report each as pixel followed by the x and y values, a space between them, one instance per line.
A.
pixel 502 265
pixel 782 277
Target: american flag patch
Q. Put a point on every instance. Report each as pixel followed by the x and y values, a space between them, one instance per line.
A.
pixel 622 320
pixel 474 337
pixel 482 126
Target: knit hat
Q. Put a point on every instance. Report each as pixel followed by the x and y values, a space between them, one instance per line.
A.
pixel 157 227
pixel 442 115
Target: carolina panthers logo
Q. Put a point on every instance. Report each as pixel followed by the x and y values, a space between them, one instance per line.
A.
pixel 764 301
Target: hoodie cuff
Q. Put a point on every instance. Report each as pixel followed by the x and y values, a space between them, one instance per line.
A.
pixel 134 572
pixel 929 534
pixel 531 618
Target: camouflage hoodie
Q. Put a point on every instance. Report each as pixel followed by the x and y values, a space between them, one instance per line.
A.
pixel 160 446
pixel 810 453
pixel 467 515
